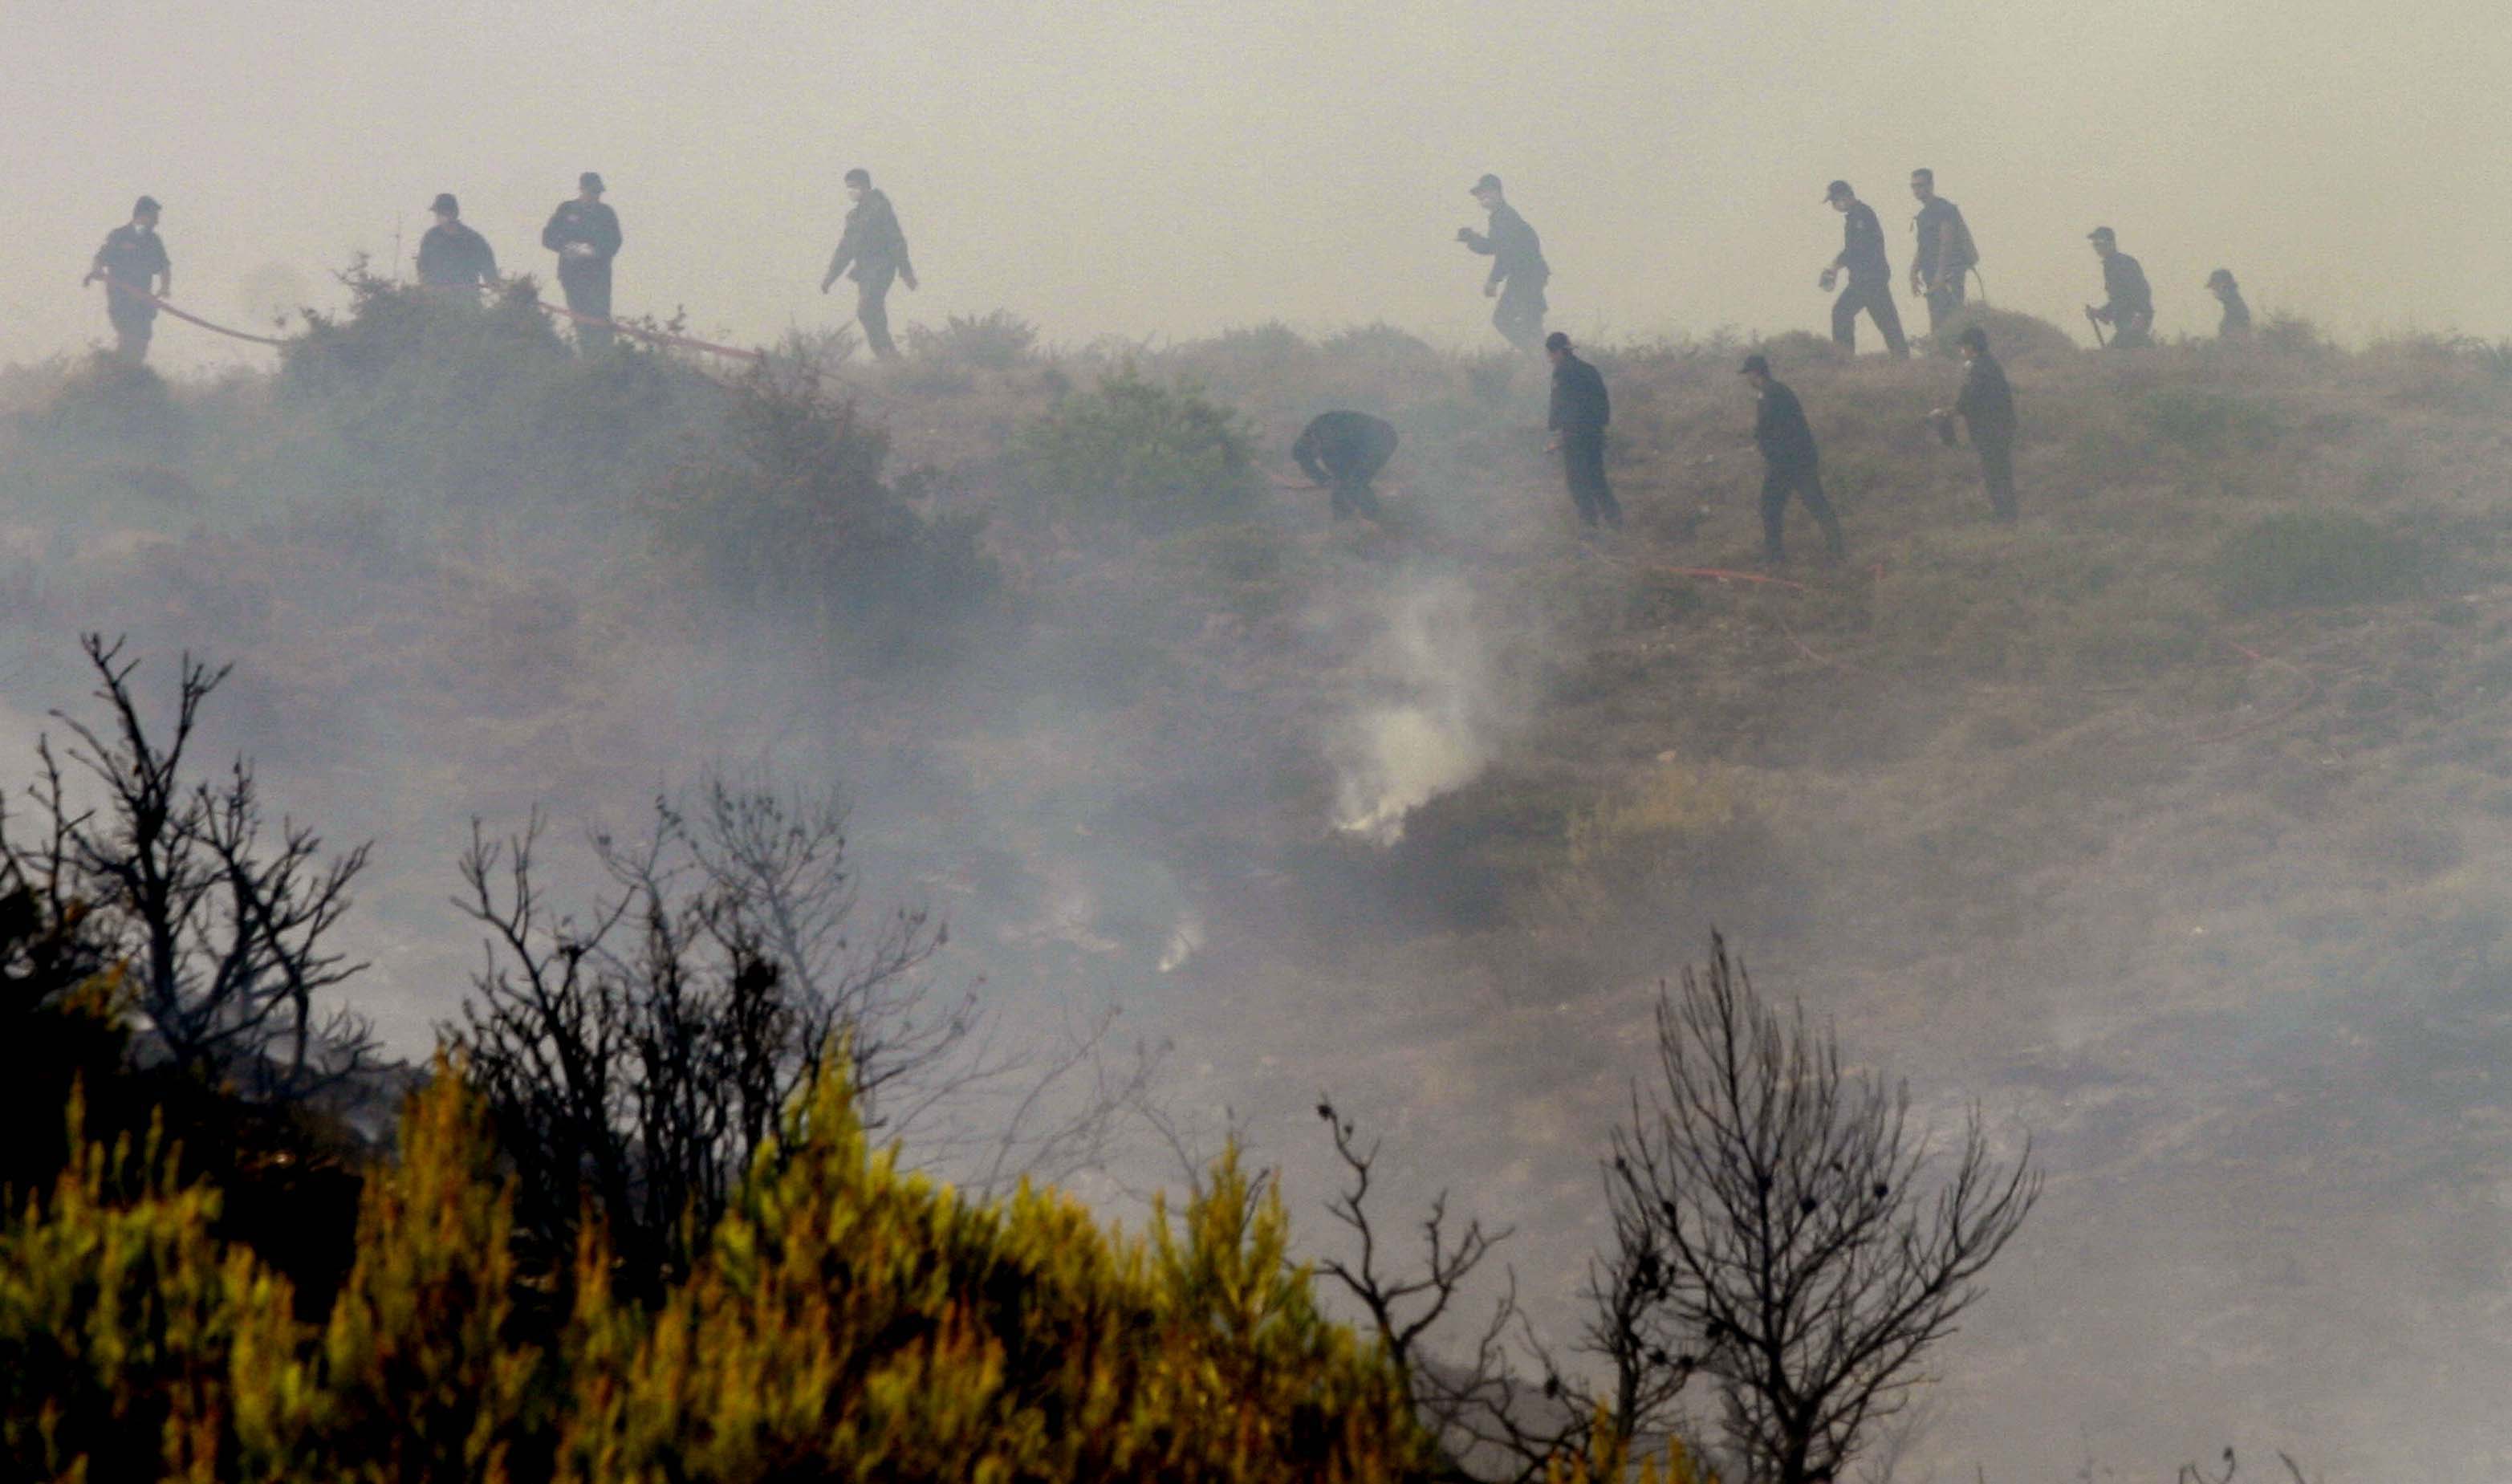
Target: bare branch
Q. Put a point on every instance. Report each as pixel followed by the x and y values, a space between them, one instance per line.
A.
pixel 1807 1240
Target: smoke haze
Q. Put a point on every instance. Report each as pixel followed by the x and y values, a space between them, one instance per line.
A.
pixel 1429 811
pixel 1146 170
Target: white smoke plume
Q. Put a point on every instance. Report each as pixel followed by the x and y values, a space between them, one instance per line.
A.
pixel 1432 724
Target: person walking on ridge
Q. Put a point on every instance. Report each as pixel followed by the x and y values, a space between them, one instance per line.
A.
pixel 2236 323
pixel 1870 277
pixel 452 255
pixel 1581 410
pixel 1518 271
pixel 872 251
pixel 1791 465
pixel 1945 255
pixel 585 235
pixel 132 261
pixel 2129 308
pixel 1986 405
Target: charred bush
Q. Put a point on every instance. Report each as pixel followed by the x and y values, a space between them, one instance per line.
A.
pixel 636 1057
pixel 223 922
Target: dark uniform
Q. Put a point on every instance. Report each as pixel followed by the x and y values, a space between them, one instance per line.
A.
pixel 1986 405
pixel 873 251
pixel 1518 267
pixel 1870 282
pixel 452 255
pixel 1943 258
pixel 1343 451
pixel 131 259
pixel 585 276
pixel 1581 410
pixel 2130 307
pixel 2236 323
pixel 1792 466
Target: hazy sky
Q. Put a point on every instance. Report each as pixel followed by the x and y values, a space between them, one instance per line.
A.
pixel 1170 170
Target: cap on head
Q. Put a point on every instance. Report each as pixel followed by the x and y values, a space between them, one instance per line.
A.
pixel 590 180
pixel 1556 340
pixel 445 205
pixel 1487 185
pixel 860 176
pixel 1837 189
pixel 1974 338
pixel 1754 366
pixel 146 206
pixel 2101 234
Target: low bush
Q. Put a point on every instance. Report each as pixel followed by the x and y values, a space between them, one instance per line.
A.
pixel 850 1321
pixel 1129 448
pixel 2013 336
pixel 1251 567
pixel 999 340
pixel 1381 344
pixel 2208 422
pixel 110 402
pixel 477 400
pixel 783 510
pixel 1795 348
pixel 1670 807
pixel 1247 357
pixel 2304 558
pixel 2292 335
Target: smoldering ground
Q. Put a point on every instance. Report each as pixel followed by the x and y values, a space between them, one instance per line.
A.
pixel 2018 810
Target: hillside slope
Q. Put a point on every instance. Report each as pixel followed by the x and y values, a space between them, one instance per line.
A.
pixel 2169 823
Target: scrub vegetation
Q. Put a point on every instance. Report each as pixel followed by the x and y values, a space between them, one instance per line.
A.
pixel 2223 711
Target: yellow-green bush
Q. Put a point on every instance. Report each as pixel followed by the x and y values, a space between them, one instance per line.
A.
pixel 849 1321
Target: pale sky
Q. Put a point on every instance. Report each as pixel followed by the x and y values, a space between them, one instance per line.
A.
pixel 1150 170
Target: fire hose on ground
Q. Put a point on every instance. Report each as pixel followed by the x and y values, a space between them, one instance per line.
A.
pixel 656 336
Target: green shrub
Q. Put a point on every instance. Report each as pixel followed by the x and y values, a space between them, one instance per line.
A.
pixel 2287 560
pixel 849 1321
pixel 390 326
pixel 1129 448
